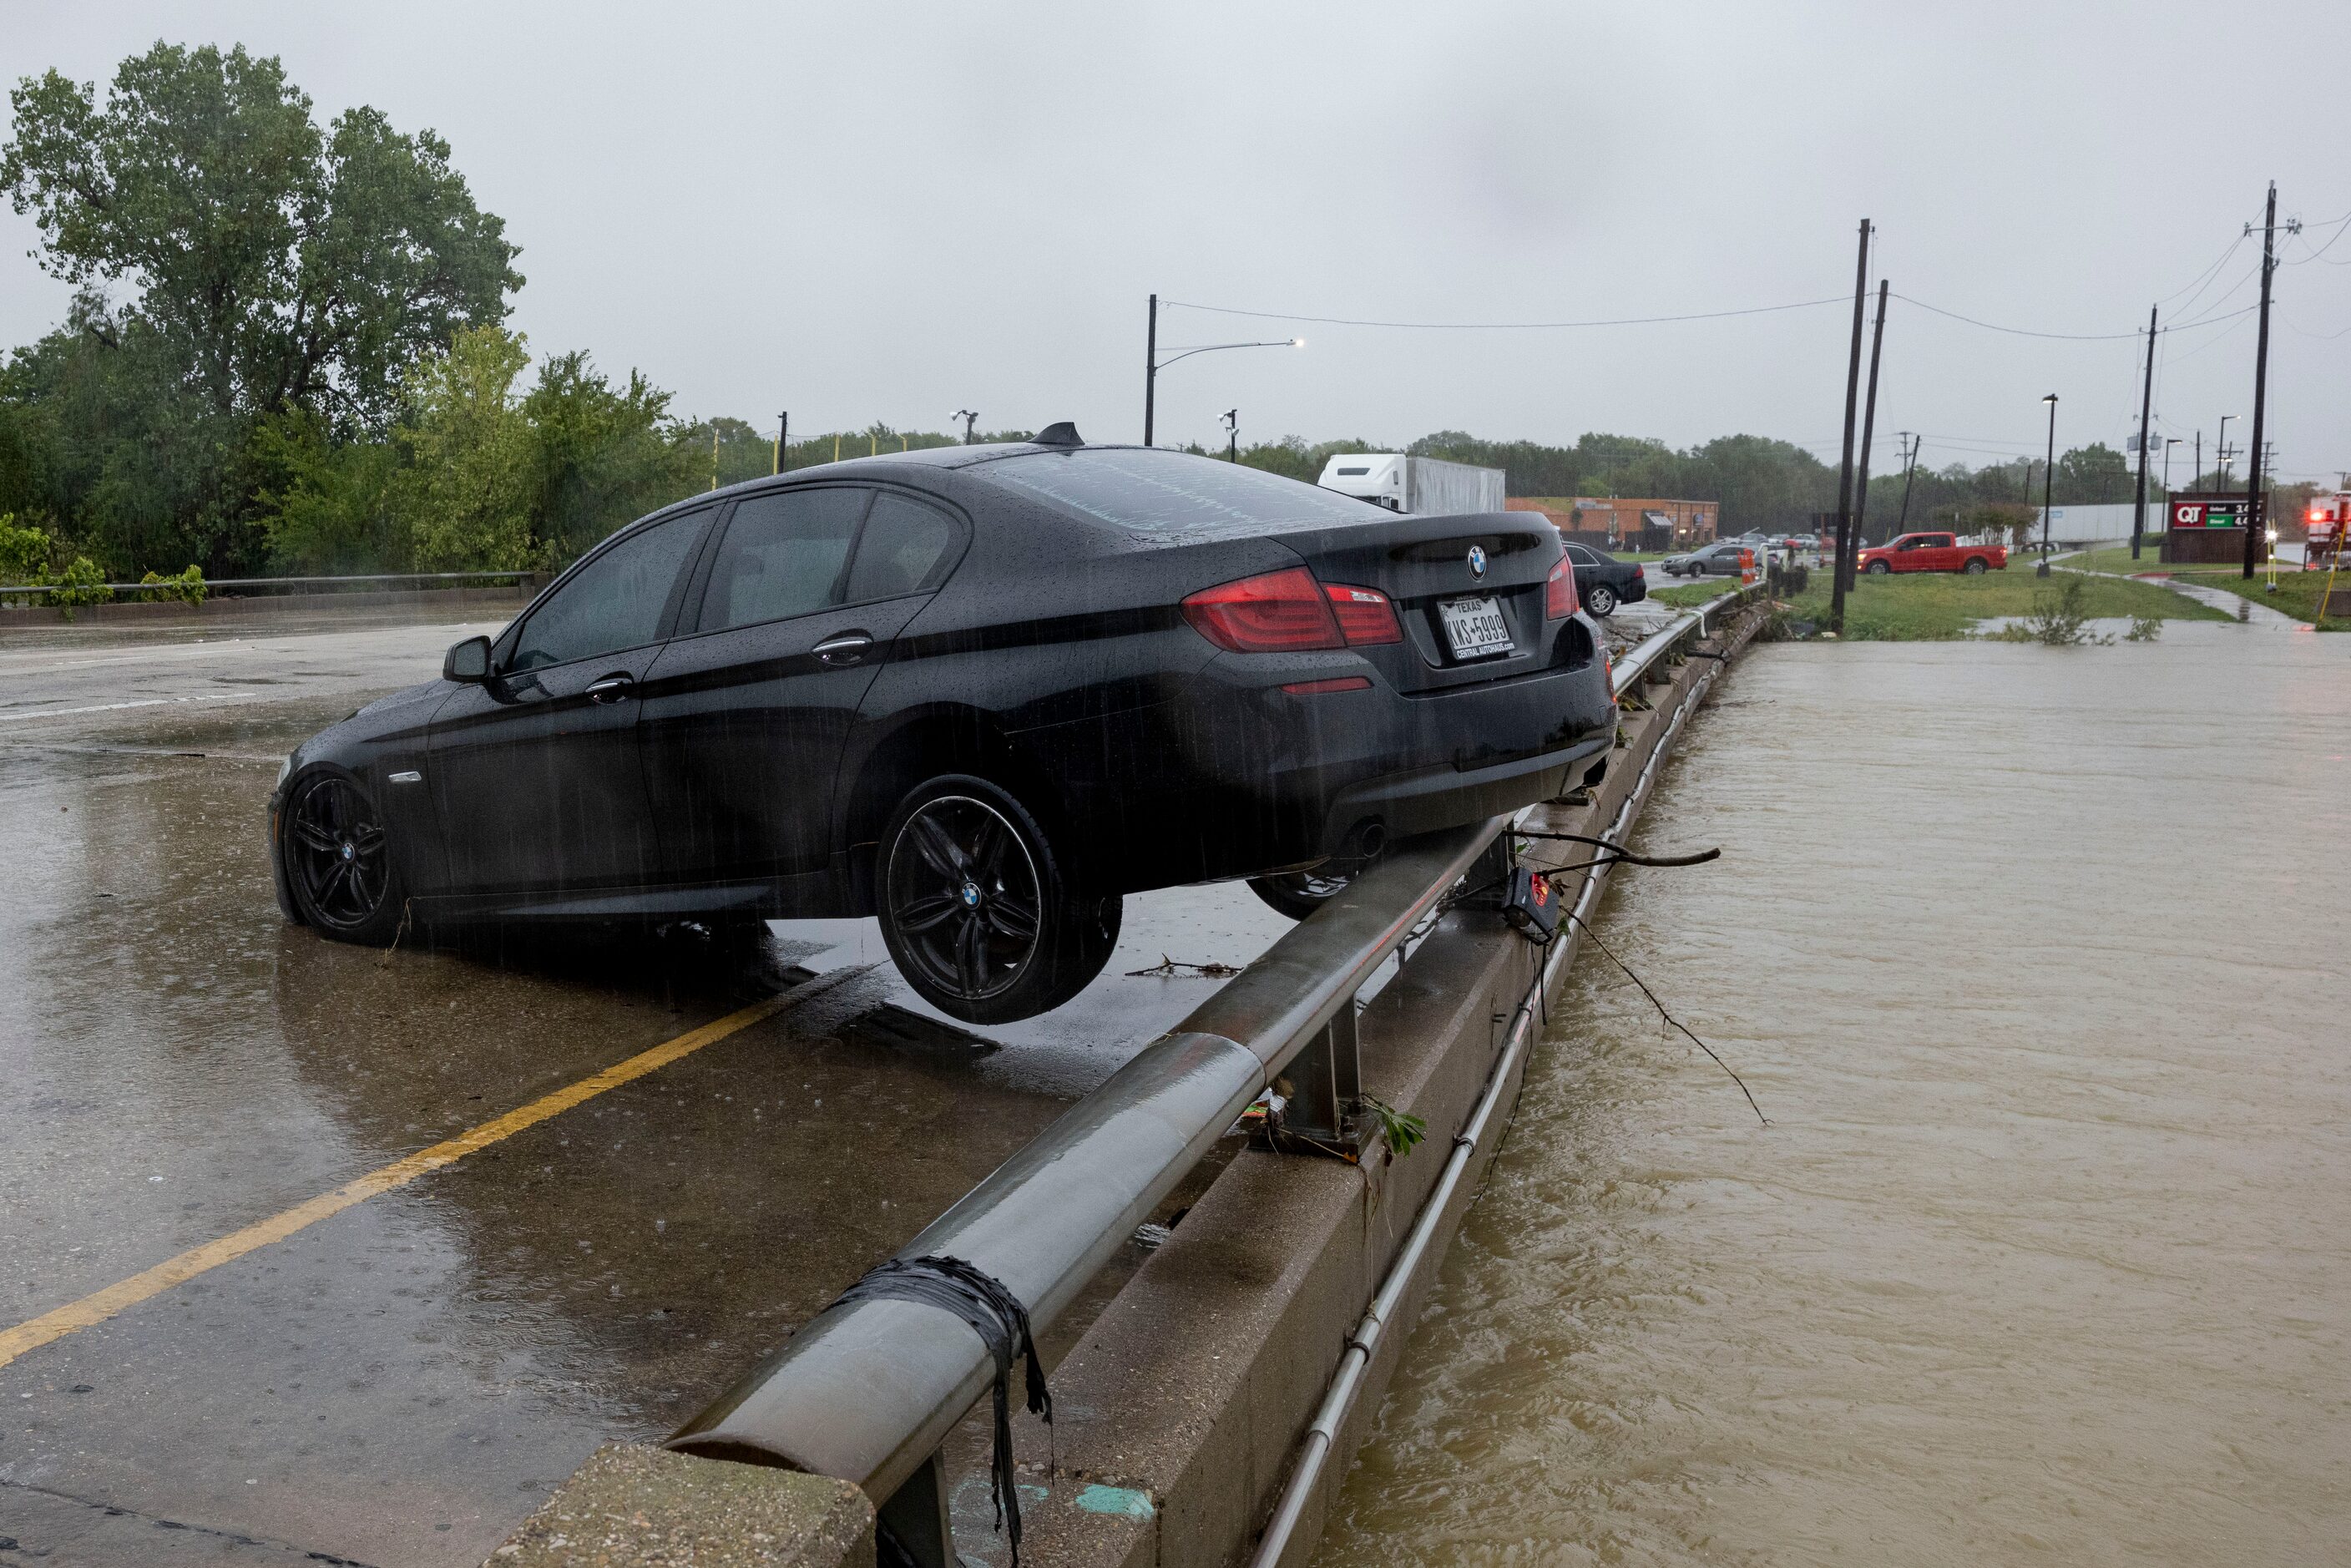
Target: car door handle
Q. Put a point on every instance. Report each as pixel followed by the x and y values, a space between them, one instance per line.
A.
pixel 612 688
pixel 846 649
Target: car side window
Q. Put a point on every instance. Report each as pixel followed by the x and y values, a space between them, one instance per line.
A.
pixel 1580 556
pixel 782 556
pixel 904 548
pixel 613 602
pixel 1940 541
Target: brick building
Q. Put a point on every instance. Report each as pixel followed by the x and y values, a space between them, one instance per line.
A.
pixel 1617 522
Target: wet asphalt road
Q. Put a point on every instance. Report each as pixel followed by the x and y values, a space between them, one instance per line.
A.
pixel 400 1383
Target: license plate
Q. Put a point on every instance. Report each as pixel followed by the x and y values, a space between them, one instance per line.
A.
pixel 1474 627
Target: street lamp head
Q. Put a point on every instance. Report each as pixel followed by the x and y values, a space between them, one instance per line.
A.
pixel 2051 397
pixel 1297 342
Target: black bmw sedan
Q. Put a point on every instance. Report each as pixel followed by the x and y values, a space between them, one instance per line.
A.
pixel 1602 582
pixel 979 692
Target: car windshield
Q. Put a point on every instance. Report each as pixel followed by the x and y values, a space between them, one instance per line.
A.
pixel 1172 496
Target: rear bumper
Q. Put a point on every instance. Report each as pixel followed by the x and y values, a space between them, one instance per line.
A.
pixel 1236 776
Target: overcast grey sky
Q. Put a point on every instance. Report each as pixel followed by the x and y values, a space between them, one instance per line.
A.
pixel 862 212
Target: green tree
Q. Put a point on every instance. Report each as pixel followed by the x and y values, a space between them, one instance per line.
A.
pixel 2093 475
pixel 466 492
pixel 231 261
pixel 603 455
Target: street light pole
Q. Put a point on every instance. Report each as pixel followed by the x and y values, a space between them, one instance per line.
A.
pixel 2221 450
pixel 1154 364
pixel 968 417
pixel 783 438
pixel 2048 483
pixel 1232 421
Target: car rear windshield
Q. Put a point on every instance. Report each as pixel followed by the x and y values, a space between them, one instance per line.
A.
pixel 1172 496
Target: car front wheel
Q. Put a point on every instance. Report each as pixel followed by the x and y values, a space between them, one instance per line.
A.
pixel 1878 568
pixel 979 910
pixel 338 862
pixel 1600 599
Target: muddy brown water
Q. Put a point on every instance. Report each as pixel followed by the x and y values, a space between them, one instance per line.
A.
pixel 2037 958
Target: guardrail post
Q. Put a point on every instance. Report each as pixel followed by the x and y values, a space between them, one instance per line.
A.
pixel 916 1515
pixel 1327 1082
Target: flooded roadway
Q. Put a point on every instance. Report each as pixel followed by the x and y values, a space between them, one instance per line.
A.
pixel 2037 958
pixel 401 1382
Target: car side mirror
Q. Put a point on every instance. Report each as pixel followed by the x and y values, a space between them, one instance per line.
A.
pixel 467 661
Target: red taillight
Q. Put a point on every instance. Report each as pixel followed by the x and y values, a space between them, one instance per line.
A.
pixel 1558 592
pixel 1279 613
pixel 1364 614
pixel 1290 613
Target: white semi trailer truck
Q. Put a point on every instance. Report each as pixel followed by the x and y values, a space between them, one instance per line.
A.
pixel 1428 486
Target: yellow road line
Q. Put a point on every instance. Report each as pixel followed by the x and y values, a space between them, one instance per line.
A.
pixel 101 1305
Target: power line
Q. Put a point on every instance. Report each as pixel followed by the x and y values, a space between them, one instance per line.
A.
pixel 1500 326
pixel 2068 337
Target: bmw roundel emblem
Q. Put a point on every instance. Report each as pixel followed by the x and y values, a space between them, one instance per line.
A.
pixel 1477 561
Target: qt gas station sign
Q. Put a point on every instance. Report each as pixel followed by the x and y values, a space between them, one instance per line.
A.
pixel 2208 514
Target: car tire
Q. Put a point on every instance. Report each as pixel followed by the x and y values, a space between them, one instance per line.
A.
pixel 1601 600
pixel 1977 566
pixel 981 913
pixel 1299 894
pixel 1878 568
pixel 339 861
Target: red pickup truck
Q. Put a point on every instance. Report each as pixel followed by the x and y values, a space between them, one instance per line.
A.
pixel 1932 552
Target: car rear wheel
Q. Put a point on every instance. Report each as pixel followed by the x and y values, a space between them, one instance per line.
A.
pixel 1600 599
pixel 1977 567
pixel 980 914
pixel 1878 568
pixel 338 862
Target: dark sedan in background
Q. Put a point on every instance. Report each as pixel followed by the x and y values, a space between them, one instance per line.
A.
pixel 978 692
pixel 1723 560
pixel 1602 582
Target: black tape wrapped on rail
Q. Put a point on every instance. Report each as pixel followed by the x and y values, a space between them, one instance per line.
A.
pixel 995 1314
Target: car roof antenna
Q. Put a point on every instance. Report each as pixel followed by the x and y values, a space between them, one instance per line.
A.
pixel 1061 434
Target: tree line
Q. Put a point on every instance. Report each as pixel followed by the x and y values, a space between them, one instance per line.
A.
pixel 286 351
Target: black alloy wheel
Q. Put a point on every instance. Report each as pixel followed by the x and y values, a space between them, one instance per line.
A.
pixel 1601 600
pixel 339 861
pixel 979 912
pixel 1878 569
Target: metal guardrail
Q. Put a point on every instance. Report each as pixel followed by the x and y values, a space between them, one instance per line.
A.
pixel 210 585
pixel 868 1391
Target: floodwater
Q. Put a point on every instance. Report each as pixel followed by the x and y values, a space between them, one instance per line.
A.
pixel 2037 959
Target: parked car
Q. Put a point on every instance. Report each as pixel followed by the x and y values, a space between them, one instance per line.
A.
pixel 980 693
pixel 1602 582
pixel 1931 552
pixel 1726 559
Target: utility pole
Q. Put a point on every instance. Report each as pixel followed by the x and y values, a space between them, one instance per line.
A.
pixel 2254 521
pixel 1232 421
pixel 1909 478
pixel 968 418
pixel 1868 429
pixel 2221 451
pixel 1844 468
pixel 783 435
pixel 2146 404
pixel 2199 480
pixel 2048 484
pixel 1150 367
pixel 713 454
